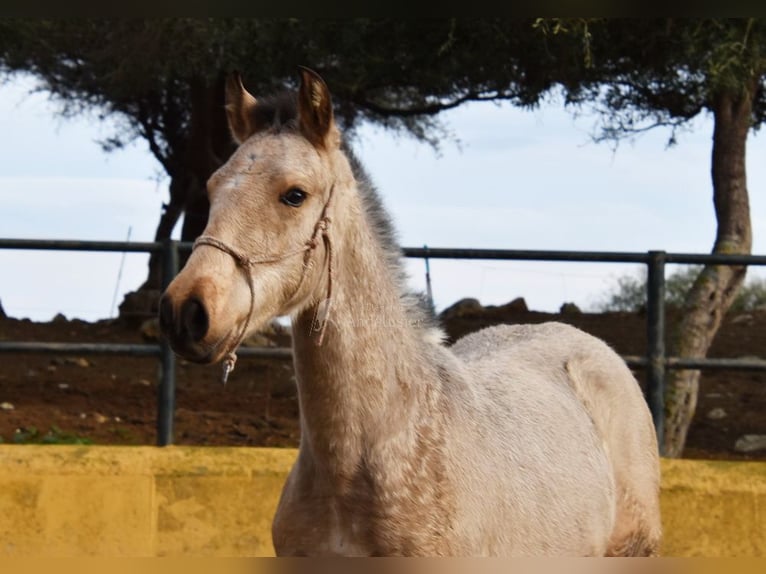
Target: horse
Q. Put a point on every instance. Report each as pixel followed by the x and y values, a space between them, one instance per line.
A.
pixel 515 441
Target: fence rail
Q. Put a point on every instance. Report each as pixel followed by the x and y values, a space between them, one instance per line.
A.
pixel 656 362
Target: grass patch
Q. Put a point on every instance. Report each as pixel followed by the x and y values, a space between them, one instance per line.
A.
pixel 54 435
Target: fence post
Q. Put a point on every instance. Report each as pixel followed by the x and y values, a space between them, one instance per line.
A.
pixel 429 291
pixel 655 367
pixel 166 397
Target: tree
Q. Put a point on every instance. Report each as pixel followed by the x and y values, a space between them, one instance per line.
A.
pixel 629 294
pixel 664 72
pixel 164 79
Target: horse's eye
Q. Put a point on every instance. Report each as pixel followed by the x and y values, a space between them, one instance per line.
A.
pixel 293 197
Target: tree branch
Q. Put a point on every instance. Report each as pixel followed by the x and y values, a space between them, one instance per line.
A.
pixel 429 109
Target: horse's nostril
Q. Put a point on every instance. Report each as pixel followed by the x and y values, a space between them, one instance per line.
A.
pixel 194 319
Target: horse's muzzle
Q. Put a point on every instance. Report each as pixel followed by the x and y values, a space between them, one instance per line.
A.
pixel 185 326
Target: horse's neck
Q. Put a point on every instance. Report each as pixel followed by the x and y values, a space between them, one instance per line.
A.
pixel 366 383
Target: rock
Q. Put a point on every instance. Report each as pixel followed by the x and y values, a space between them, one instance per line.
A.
pixel 285 330
pixel 750 443
pixel 100 419
pixel 6 406
pixel 462 308
pixel 150 329
pixel 63 386
pixel 77 361
pixel 283 388
pixel 271 335
pixel 258 340
pixel 518 305
pixel 717 414
pixel 138 306
pixel 569 309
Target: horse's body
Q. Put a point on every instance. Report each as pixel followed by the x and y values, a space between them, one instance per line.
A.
pixel 523 440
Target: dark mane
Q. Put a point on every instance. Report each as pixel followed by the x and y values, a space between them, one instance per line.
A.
pixel 278 112
pixel 419 308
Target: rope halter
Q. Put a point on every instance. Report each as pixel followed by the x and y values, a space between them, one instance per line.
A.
pixel 247 264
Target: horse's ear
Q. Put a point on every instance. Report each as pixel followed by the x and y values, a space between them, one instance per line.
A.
pixel 240 109
pixel 315 116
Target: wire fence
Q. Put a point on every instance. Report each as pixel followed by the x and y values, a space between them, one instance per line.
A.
pixel 655 361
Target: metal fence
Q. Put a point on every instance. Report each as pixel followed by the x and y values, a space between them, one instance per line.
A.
pixel 656 362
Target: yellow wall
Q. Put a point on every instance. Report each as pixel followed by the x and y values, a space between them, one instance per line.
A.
pixel 147 501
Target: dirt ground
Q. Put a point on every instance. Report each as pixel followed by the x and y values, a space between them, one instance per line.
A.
pixel 112 400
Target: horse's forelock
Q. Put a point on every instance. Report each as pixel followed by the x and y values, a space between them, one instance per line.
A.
pixel 275 113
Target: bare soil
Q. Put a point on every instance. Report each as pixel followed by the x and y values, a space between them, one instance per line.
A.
pixel 112 399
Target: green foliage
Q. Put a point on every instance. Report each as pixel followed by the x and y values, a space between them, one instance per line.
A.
pixel 398 73
pixel 751 296
pixel 629 292
pixel 55 435
pixel 650 72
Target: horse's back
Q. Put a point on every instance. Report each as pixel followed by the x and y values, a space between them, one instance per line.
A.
pixel 529 365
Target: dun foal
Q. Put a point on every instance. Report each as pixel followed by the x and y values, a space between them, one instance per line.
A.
pixel 517 440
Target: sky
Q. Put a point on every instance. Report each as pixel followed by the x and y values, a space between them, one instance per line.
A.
pixel 509 179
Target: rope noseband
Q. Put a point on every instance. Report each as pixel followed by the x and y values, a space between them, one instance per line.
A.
pixel 247 265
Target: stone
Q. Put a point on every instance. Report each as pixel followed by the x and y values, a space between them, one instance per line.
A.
pixel 258 339
pixel 77 361
pixel 717 414
pixel 518 305
pixel 282 388
pixel 744 318
pixel 462 308
pixel 750 443
pixel 569 309
pixel 6 406
pixel 150 329
pixel 273 334
pixel 138 306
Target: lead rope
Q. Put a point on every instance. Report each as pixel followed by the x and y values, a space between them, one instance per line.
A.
pixel 247 263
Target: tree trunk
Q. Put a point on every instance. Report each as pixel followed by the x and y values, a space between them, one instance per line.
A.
pixel 171 213
pixel 210 145
pixel 207 145
pixel 716 286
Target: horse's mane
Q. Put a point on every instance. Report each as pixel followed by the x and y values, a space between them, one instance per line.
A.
pixel 419 309
pixel 278 114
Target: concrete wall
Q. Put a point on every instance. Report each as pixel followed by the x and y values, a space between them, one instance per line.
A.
pixel 183 501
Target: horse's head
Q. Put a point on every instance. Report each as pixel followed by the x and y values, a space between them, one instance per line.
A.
pixel 265 249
